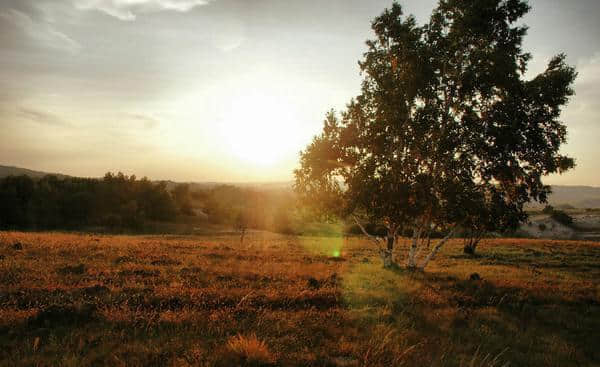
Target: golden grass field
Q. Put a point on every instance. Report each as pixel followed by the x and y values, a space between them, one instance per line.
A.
pixel 103 300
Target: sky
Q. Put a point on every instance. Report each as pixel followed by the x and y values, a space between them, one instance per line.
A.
pixel 224 90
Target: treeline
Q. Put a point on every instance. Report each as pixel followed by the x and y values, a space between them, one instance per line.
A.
pixel 115 201
pixel 120 202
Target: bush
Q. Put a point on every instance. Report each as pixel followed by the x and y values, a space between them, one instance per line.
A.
pixel 548 209
pixel 562 217
pixel 249 350
pixel 558 215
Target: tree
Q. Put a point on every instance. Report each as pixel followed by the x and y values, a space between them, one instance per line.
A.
pixel 183 199
pixel 446 127
pixel 241 223
pixel 490 213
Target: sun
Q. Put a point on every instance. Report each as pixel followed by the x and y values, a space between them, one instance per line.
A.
pixel 260 129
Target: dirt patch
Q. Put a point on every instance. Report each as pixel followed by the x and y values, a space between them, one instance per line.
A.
pixel 72 269
pixel 58 315
pixel 144 273
pixel 165 262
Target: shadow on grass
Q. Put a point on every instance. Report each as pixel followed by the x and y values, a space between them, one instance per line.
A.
pixel 571 262
pixel 515 316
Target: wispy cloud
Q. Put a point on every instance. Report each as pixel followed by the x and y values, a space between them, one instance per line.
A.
pixel 584 110
pixel 127 10
pixel 147 122
pixel 15 23
pixel 42 117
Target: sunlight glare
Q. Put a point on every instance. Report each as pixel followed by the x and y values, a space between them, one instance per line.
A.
pixel 260 129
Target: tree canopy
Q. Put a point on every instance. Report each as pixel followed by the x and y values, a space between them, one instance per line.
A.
pixel 447 131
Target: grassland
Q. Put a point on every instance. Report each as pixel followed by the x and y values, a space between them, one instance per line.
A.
pixel 83 300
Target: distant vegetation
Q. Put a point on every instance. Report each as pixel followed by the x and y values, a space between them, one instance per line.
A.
pixel 119 202
pixel 115 201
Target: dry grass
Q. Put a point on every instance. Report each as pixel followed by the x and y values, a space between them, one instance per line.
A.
pixel 82 300
pixel 250 350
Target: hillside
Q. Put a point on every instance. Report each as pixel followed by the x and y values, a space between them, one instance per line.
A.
pixel 575 196
pixel 278 185
pixel 18 171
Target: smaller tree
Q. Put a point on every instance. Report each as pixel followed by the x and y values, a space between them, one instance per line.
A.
pixel 241 223
pixel 489 213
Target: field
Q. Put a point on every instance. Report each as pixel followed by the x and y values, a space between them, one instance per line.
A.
pixel 83 300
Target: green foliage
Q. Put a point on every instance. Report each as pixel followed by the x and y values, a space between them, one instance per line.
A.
pixel 115 201
pixel 447 131
pixel 118 202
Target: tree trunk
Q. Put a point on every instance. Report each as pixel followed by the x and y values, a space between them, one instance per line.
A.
pixel 437 248
pixel 412 253
pixel 242 234
pixel 387 254
pixel 469 249
pixel 386 257
pixel 471 246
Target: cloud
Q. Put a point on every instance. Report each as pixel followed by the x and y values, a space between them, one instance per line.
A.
pixel 589 74
pixel 15 24
pixel 584 109
pixel 147 122
pixel 127 10
pixel 42 117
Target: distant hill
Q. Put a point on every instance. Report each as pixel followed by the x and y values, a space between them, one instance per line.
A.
pixel 17 171
pixel 574 196
pixel 280 185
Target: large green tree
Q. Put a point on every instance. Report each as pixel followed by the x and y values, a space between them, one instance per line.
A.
pixel 446 133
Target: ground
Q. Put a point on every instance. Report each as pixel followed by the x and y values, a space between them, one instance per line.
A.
pixel 82 300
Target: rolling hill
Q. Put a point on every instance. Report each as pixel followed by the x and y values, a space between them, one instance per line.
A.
pixel 18 171
pixel 574 196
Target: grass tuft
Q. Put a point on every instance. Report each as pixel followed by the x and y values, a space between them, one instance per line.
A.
pixel 250 350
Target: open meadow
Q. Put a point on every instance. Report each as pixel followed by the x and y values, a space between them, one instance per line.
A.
pixel 273 300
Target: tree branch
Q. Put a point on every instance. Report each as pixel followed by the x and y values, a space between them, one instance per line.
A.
pixel 437 247
pixel 374 238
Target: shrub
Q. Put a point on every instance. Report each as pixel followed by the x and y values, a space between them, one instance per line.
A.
pixel 548 209
pixel 250 350
pixel 562 217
